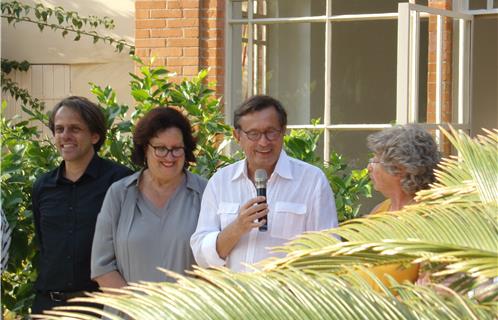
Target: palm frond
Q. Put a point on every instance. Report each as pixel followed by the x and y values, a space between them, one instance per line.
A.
pixel 221 294
pixel 473 173
pixel 469 225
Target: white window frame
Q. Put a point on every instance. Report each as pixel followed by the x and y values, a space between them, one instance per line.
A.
pixel 463 6
pixel 407 77
pixel 408 67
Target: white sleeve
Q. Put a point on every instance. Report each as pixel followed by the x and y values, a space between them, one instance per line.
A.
pixel 323 213
pixel 203 241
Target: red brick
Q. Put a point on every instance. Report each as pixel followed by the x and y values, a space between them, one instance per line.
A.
pixel 183 61
pixel 212 13
pixel 211 43
pixel 213 4
pixel 176 79
pixel 191 32
pixel 150 4
pixel 150 43
pixel 176 23
pixel 190 70
pixel 142 33
pixel 213 23
pixel 175 69
pixel 213 52
pixel 166 52
pixel 165 33
pixel 182 42
pixel 173 4
pixel 166 13
pixel 212 34
pixel 213 61
pixel 142 14
pixel 142 52
pixel 154 61
pixel 190 52
pixel 191 13
pixel 149 24
pixel 186 4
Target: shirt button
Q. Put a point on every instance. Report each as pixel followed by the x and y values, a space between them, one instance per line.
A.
pixel 69 257
pixel 69 283
pixel 71 208
pixel 70 231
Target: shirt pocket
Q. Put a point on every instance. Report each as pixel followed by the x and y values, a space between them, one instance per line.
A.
pixel 288 220
pixel 228 212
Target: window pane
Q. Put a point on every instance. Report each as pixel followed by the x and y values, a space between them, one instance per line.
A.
pixel 363 86
pixel 288 8
pixel 239 9
pixel 294 71
pixel 477 4
pixel 367 6
pixel 238 70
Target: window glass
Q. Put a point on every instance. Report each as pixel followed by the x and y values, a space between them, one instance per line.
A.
pixel 295 69
pixel 477 4
pixel 363 86
pixel 288 8
pixel 367 6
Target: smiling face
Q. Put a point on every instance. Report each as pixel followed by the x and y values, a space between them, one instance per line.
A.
pixel 262 153
pixel 72 137
pixel 167 167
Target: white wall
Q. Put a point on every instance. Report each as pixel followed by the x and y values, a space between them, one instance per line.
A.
pixel 97 63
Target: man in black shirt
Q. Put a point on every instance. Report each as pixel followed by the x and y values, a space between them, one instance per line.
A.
pixel 67 200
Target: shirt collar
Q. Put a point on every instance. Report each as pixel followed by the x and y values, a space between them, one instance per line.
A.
pixel 92 170
pixel 282 168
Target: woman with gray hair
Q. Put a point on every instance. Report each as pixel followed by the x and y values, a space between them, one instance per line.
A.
pixel 404 161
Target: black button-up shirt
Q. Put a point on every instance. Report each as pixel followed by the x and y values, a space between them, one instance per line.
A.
pixel 65 213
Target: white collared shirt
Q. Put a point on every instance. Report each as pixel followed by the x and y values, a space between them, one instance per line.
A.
pixel 299 199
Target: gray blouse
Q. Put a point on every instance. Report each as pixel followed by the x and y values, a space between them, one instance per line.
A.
pixel 134 237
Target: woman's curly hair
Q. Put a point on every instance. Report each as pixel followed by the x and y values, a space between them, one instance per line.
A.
pixel 407 147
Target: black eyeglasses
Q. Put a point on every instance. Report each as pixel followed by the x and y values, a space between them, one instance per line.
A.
pixel 255 135
pixel 162 151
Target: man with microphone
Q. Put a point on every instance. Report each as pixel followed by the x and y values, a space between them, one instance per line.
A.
pixel 262 201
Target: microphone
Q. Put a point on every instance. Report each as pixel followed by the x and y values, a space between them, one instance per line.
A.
pixel 260 178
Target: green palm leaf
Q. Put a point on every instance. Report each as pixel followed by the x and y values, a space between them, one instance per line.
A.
pixel 221 294
pixel 473 173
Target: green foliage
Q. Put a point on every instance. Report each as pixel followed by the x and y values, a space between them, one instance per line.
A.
pixel 25 156
pixel 348 185
pixel 67 22
pixel 151 88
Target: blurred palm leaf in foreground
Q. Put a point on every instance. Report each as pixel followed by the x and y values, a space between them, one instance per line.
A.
pixel 451 232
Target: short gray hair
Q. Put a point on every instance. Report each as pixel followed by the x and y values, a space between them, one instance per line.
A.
pixel 409 147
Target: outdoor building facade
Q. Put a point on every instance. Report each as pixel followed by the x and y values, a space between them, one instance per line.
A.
pixel 358 65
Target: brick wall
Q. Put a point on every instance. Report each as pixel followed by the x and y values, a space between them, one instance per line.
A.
pixel 185 36
pixel 446 112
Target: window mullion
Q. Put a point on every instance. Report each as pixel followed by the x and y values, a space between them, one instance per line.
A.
pixel 328 80
pixel 250 45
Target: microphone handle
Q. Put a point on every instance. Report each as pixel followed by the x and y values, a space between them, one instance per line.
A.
pixel 262 192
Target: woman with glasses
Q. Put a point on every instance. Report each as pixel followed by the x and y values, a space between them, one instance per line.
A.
pixel 404 161
pixel 147 219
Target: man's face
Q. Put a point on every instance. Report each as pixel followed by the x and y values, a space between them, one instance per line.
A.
pixel 72 136
pixel 262 153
